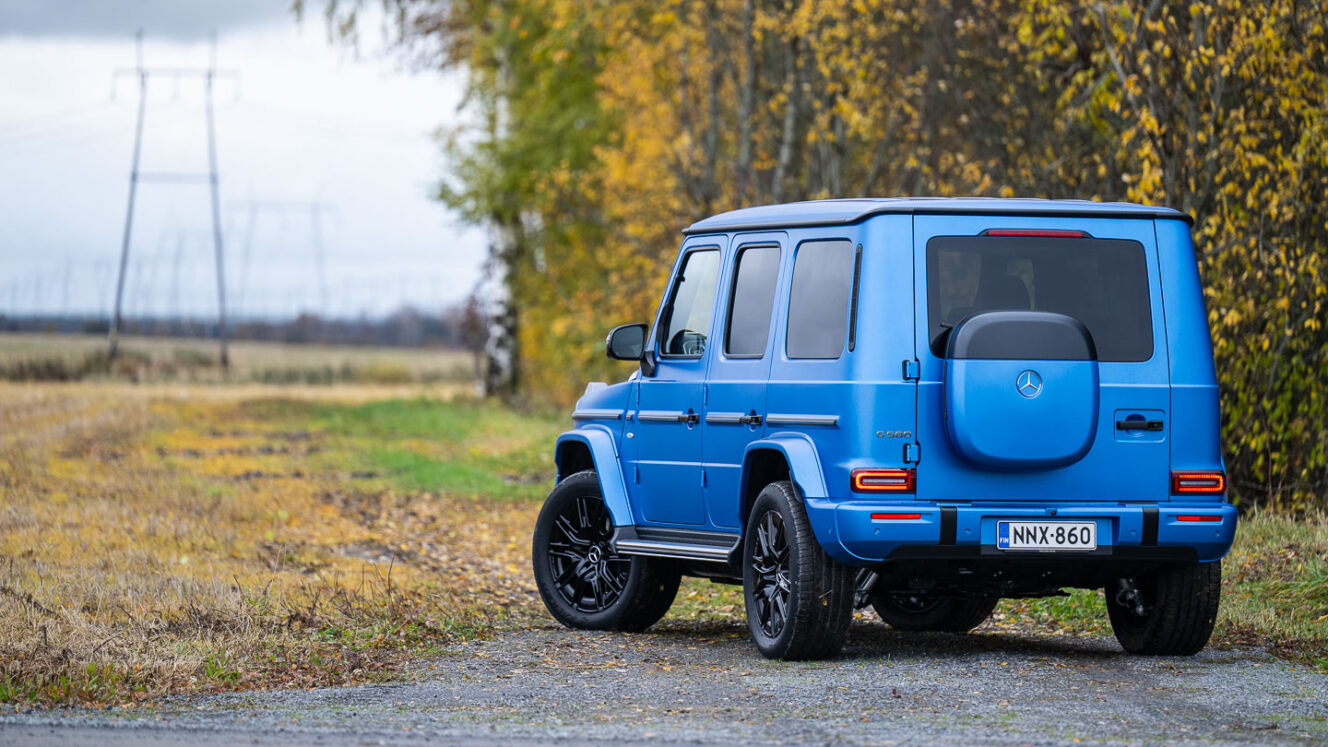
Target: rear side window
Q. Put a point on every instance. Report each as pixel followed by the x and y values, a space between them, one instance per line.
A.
pixel 819 299
pixel 1101 282
pixel 753 299
pixel 686 321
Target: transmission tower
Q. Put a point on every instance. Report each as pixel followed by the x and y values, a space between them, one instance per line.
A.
pixel 208 75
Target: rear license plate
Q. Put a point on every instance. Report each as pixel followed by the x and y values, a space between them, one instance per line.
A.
pixel 1046 535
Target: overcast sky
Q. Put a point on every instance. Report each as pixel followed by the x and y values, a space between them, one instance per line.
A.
pixel 308 121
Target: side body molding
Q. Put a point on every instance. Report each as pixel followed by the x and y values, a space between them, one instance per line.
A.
pixel 604 453
pixel 803 461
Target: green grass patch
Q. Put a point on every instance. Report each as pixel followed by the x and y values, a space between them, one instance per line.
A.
pixel 413 471
pixel 462 448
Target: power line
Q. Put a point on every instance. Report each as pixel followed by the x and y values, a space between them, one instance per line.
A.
pixel 314 209
pixel 208 75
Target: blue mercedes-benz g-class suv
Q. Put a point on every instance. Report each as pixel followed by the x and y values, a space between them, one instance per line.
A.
pixel 919 404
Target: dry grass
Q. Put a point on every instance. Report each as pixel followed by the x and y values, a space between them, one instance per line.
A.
pixel 180 538
pixel 36 357
pixel 155 542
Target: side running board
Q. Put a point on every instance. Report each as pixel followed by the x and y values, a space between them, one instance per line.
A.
pixel 683 544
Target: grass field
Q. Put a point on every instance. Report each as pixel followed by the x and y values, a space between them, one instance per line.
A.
pixel 195 538
pixel 154 359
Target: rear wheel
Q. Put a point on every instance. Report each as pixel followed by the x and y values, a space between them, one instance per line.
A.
pixel 799 600
pixel 1168 612
pixel 932 613
pixel 583 582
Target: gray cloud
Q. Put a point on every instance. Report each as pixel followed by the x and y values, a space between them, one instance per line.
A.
pixel 181 20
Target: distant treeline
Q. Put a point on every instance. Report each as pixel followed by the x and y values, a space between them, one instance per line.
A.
pixel 459 327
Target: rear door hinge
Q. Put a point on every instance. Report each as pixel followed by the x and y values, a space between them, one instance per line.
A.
pixel 912 453
pixel 912 370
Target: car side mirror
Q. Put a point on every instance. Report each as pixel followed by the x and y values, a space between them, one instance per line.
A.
pixel 626 343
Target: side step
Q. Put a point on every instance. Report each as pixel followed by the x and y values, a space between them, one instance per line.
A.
pixel 683 544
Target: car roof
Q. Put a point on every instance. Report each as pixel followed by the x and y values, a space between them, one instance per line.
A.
pixel 847 211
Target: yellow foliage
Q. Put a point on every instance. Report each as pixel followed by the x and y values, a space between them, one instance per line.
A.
pixel 1215 107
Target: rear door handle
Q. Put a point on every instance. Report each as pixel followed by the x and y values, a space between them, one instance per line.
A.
pixel 752 419
pixel 689 418
pixel 1138 425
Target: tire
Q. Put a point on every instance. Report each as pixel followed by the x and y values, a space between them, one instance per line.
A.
pixel 1181 607
pixel 799 600
pixel 917 612
pixel 583 583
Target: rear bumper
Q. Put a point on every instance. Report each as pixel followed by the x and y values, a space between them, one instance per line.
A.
pixel 846 530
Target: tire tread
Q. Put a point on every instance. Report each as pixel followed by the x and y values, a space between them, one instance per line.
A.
pixel 1184 612
pixel 824 604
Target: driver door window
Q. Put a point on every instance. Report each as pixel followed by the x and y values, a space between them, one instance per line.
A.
pixel 686 321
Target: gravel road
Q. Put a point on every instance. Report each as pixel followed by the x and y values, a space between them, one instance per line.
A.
pixel 708 686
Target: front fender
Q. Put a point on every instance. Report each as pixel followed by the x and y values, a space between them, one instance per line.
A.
pixel 604 453
pixel 803 462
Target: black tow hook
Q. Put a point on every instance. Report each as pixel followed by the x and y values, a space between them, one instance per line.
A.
pixel 1129 597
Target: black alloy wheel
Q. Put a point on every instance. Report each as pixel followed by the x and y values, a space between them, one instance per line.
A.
pixel 799 600
pixel 770 569
pixel 586 572
pixel 584 583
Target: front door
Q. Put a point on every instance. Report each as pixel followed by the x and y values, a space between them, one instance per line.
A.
pixel 664 442
pixel 739 372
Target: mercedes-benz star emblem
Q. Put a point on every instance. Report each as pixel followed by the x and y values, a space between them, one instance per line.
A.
pixel 1029 384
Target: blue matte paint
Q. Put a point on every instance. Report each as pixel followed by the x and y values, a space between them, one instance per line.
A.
pixel 734 386
pixel 992 424
pixel 1194 394
pixel 799 452
pixel 998 456
pixel 667 456
pixel 1110 470
pixel 600 440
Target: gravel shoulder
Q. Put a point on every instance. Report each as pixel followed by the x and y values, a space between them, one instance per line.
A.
pixel 706 685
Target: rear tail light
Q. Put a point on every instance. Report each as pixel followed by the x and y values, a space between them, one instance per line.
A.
pixel 1198 483
pixel 1199 517
pixel 883 480
pixel 1043 232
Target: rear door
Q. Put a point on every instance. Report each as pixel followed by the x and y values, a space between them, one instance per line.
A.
pixel 739 371
pixel 1102 272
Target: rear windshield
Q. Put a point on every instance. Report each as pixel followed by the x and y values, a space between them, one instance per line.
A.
pixel 1101 282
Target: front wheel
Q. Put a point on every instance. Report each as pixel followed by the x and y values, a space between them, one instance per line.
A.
pixel 583 582
pixel 1168 612
pixel 922 612
pixel 799 600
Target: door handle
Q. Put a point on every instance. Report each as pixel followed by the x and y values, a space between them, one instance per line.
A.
pixel 1138 425
pixel 689 418
pixel 752 419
